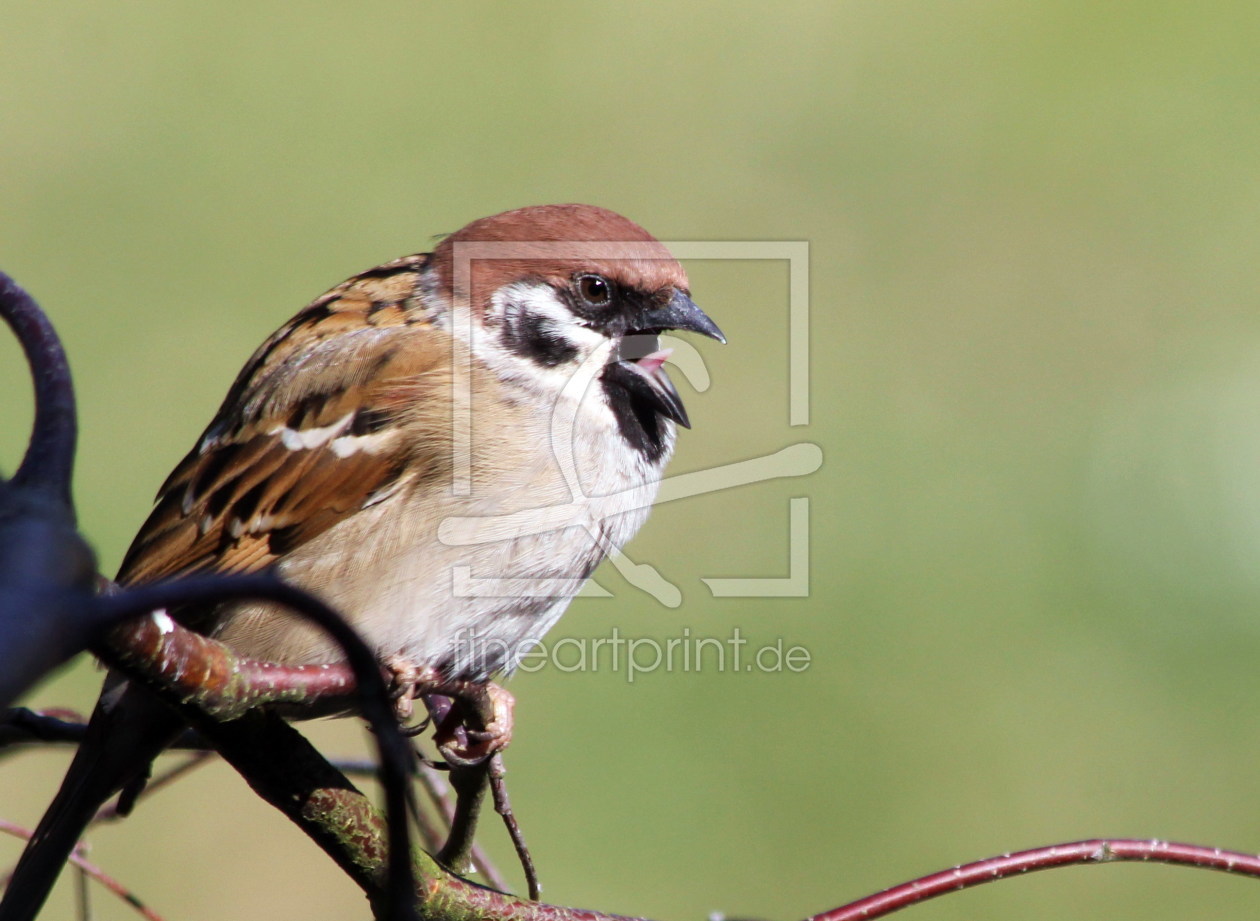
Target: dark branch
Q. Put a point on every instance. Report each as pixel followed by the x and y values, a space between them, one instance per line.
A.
pixel 283 768
pixel 21 727
pixel 212 685
pixel 46 568
pixel 49 461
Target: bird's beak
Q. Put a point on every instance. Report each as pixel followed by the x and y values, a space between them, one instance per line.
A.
pixel 644 377
pixel 682 314
pixel 640 362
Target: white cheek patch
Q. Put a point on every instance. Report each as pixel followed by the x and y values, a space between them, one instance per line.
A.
pixel 163 620
pixel 541 302
pixel 536 308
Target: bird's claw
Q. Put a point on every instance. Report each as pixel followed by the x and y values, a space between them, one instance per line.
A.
pixel 461 744
pixel 407 681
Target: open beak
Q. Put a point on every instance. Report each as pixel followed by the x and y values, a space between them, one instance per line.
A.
pixel 639 365
pixel 682 314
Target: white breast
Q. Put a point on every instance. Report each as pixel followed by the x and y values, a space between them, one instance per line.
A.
pixel 467 582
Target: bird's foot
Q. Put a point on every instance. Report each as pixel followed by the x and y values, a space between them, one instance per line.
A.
pixel 478 724
pixel 407 681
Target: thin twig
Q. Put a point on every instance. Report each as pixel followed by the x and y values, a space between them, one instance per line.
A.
pixel 434 783
pixel 498 790
pixel 470 792
pixel 430 823
pixel 82 894
pixel 93 871
pixel 991 869
pixel 111 812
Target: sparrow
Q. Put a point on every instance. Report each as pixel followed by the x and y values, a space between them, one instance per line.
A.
pixel 443 448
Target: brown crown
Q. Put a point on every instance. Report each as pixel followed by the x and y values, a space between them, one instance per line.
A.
pixel 552 243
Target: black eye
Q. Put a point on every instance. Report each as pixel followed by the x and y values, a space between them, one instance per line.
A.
pixel 595 290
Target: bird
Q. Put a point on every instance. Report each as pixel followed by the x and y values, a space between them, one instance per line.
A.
pixel 470 391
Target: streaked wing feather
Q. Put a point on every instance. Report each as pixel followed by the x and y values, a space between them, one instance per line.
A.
pixel 269 473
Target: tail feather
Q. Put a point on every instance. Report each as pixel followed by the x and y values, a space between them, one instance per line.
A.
pixel 128 729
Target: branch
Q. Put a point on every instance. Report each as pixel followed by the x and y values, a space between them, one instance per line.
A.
pixel 286 771
pixel 1094 851
pixel 21 727
pixel 49 461
pixel 203 671
pixel 199 670
pixel 46 568
pixel 93 871
pixel 439 792
pixel 210 684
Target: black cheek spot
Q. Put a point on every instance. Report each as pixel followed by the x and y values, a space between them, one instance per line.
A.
pixel 534 337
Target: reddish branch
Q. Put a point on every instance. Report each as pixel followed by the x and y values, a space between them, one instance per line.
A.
pixel 206 681
pixel 94 872
pixel 205 672
pixel 1096 850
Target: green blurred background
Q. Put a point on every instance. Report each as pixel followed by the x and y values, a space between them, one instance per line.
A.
pixel 1034 609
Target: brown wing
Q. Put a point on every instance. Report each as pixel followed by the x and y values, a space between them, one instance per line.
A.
pixel 306 436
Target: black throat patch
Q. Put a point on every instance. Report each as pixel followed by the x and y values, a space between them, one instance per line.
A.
pixel 638 420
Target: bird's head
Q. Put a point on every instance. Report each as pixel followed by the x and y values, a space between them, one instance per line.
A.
pixel 548 291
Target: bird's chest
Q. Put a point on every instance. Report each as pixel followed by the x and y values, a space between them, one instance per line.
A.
pixel 481 560
pixel 546 502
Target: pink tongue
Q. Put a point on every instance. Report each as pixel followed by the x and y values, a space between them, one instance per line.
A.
pixel 652 363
